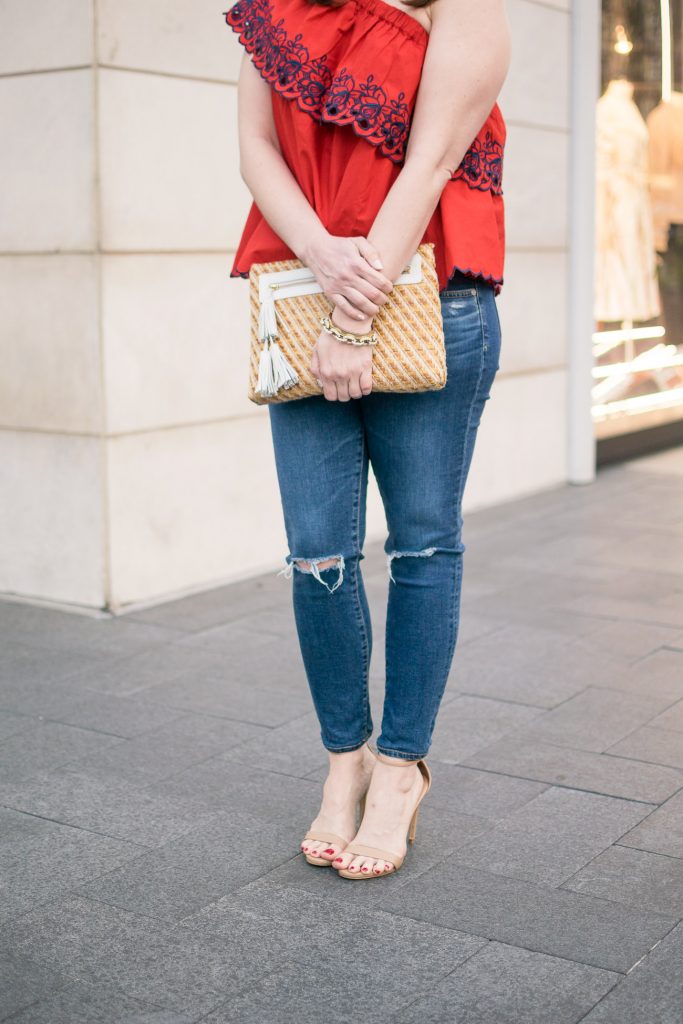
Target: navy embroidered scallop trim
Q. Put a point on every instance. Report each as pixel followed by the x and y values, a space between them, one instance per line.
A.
pixel 286 64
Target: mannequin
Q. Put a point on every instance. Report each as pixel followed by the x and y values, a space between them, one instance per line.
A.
pixel 626 286
pixel 665 127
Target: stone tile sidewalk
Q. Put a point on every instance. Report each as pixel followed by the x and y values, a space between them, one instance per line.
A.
pixel 158 769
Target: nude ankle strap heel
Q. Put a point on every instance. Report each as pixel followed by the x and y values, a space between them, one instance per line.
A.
pixel 329 837
pixel 388 856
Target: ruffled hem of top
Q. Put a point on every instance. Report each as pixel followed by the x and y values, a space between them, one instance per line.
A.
pixel 330 93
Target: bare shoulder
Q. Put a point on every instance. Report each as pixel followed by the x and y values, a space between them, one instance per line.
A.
pixel 467 17
pixel 462 28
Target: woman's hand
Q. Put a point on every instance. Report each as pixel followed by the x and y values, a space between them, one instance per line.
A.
pixel 349 272
pixel 345 370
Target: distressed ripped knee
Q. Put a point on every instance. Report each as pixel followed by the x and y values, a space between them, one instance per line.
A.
pixel 314 566
pixel 425 553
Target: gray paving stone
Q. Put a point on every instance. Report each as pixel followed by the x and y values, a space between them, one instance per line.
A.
pixel 523 665
pixel 12 724
pixel 594 719
pixel 667 611
pixel 551 837
pixel 83 1004
pixel 504 985
pixel 217 606
pixel 672 718
pixel 658 746
pixel 393 955
pixel 293 749
pixel 467 724
pixel 579 769
pixel 95 635
pixel 49 746
pixel 646 881
pixel 113 807
pixel 538 602
pixel 662 831
pixel 223 695
pixel 652 992
pixel 659 675
pixel 22 666
pixel 23 984
pixel 564 924
pixel 180 969
pixel 630 639
pixel 40 860
pixel 165 751
pixel 120 716
pixel 129 675
pixel 301 992
pixel 655 550
pixel 174 880
pixel 221 785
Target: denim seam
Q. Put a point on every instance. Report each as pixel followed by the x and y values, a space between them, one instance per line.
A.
pixel 459 561
pixel 359 609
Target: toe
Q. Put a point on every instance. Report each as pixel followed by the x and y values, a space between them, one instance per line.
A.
pixel 342 860
pixel 330 852
pixel 315 849
pixel 355 864
pixel 366 867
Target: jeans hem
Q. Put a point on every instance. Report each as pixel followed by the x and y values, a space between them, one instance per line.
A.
pixel 400 753
pixel 347 749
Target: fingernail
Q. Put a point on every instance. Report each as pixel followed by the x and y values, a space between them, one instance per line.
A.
pixel 377 264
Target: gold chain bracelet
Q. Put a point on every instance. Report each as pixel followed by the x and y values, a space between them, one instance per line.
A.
pixel 348 336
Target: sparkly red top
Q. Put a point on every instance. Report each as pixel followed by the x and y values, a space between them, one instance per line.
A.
pixel 344 83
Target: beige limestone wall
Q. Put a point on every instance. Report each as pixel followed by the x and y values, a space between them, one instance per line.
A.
pixel 133 467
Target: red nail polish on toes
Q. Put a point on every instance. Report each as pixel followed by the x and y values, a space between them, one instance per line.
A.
pixel 328 851
pixel 337 860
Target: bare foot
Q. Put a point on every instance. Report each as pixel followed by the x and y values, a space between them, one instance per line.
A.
pixel 345 784
pixel 390 803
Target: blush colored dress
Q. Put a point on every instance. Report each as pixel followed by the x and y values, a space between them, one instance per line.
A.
pixel 344 83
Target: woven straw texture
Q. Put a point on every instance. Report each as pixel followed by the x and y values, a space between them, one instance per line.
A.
pixel 410 353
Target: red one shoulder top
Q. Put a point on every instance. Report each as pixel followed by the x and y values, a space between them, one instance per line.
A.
pixel 344 83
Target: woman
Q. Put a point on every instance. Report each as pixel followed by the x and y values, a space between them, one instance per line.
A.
pixel 367 127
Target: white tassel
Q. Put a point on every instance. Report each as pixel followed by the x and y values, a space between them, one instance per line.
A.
pixel 274 370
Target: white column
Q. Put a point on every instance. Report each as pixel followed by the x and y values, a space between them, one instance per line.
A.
pixel 586 20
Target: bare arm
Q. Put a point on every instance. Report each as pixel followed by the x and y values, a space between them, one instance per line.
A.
pixel 466 63
pixel 341 265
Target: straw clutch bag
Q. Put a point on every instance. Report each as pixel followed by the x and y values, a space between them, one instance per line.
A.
pixel 287 303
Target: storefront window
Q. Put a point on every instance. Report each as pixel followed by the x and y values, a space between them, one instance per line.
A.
pixel 638 304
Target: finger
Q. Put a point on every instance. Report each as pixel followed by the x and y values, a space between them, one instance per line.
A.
pixel 368 250
pixel 346 307
pixel 365 380
pixel 329 390
pixel 370 269
pixel 362 302
pixel 355 388
pixel 343 390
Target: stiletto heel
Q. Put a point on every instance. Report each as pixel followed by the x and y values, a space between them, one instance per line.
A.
pixel 329 837
pixel 388 856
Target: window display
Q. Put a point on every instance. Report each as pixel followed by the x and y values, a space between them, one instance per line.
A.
pixel 638 297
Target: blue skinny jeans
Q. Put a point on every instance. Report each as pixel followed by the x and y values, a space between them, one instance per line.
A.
pixel 420 446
